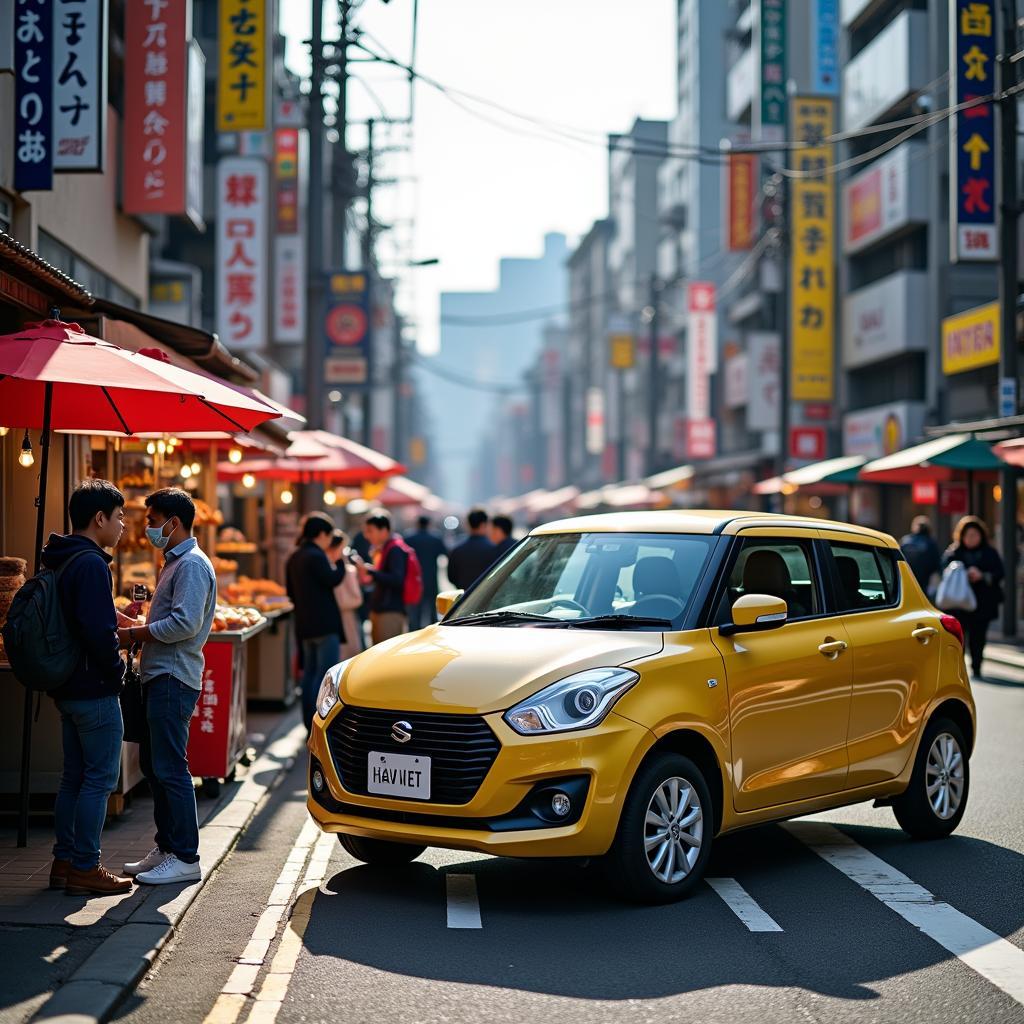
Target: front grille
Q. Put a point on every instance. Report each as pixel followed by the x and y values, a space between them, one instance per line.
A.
pixel 461 749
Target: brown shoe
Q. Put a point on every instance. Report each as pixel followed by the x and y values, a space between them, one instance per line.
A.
pixel 59 873
pixel 96 882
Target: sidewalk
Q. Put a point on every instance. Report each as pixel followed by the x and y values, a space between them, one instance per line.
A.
pixel 90 951
pixel 1003 652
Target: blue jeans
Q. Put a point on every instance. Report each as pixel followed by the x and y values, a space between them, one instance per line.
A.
pixel 422 614
pixel 164 760
pixel 319 654
pixel 91 731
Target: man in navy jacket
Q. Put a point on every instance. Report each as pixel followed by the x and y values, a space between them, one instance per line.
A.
pixel 90 711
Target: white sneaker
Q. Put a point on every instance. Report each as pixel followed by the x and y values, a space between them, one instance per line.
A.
pixel 150 861
pixel 169 871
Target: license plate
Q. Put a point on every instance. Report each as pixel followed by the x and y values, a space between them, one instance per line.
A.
pixel 405 775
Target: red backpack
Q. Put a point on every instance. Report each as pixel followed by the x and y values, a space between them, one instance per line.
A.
pixel 412 588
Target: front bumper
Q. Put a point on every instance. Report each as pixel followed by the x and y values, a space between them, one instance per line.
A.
pixel 599 763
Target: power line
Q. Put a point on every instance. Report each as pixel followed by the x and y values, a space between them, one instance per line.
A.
pixel 452 377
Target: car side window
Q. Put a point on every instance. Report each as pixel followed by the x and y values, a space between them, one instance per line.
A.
pixel 865 577
pixel 780 568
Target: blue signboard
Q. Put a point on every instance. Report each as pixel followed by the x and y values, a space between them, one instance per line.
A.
pixel 825 43
pixel 972 159
pixel 33 95
pixel 347 327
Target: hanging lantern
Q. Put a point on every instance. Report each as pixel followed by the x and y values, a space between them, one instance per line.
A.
pixel 248 480
pixel 286 497
pixel 235 456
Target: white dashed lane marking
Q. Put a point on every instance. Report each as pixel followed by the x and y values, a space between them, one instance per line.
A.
pixel 985 952
pixel 463 905
pixel 743 905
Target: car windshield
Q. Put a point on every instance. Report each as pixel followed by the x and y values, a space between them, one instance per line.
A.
pixel 644 581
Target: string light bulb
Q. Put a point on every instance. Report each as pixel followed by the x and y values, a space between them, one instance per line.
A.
pixel 248 480
pixel 25 457
pixel 4 431
pixel 161 446
pixel 330 498
pixel 235 456
pixel 186 472
pixel 286 497
pixel 151 448
pixel 196 469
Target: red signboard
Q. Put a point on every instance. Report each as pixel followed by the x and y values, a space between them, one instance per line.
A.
pixel 741 172
pixel 953 499
pixel 700 439
pixel 155 107
pixel 925 492
pixel 864 206
pixel 209 734
pixel 817 410
pixel 286 180
pixel 807 443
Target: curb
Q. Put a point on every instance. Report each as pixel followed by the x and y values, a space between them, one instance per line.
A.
pixel 116 966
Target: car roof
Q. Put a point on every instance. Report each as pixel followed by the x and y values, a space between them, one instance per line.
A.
pixel 702 521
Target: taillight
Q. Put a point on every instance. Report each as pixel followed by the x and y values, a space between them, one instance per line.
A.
pixel 951 624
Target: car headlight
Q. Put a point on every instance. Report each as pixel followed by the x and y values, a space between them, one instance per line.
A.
pixel 579 702
pixel 328 695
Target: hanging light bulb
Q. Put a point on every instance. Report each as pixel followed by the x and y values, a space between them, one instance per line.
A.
pixel 175 441
pixel 235 455
pixel 248 480
pixel 161 446
pixel 4 431
pixel 186 472
pixel 151 448
pixel 196 469
pixel 330 498
pixel 25 457
pixel 286 497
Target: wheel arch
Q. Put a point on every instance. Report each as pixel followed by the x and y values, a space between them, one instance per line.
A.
pixel 698 748
pixel 960 713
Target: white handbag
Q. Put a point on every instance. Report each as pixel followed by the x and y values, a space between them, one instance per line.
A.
pixel 955 593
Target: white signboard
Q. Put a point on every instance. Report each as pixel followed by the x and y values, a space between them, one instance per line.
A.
pixel 79 84
pixel 763 352
pixel 289 289
pixel 701 348
pixel 735 387
pixel 195 119
pixel 595 421
pixel 892 193
pixel 883 429
pixel 884 319
pixel 242 204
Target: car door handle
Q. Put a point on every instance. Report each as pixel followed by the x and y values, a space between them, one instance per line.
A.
pixel 832 648
pixel 924 633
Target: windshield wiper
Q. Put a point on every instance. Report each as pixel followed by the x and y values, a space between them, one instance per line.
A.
pixel 498 618
pixel 617 621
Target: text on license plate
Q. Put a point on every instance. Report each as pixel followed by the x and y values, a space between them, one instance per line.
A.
pixel 405 775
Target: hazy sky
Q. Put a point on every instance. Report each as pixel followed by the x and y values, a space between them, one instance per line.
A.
pixel 479 191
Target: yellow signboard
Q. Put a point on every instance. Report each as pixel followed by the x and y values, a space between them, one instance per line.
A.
pixel 812 259
pixel 243 72
pixel 417 451
pixel 621 351
pixel 971 339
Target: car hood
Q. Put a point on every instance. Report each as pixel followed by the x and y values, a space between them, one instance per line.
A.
pixel 480 669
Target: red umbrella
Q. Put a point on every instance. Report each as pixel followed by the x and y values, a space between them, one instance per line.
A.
pixel 54 376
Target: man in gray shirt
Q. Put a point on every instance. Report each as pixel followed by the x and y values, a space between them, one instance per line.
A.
pixel 177 628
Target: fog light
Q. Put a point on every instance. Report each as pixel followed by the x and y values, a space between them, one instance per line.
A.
pixel 318 780
pixel 561 805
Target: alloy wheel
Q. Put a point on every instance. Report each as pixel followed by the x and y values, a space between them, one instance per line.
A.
pixel 944 776
pixel 673 830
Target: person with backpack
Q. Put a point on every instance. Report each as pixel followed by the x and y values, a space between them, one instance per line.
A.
pixel 396 577
pixel 90 713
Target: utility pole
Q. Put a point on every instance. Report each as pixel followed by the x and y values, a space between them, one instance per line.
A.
pixel 315 227
pixel 777 196
pixel 368 270
pixel 653 382
pixel 1009 214
pixel 398 445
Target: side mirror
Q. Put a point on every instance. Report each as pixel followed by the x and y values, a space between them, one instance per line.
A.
pixel 445 600
pixel 755 613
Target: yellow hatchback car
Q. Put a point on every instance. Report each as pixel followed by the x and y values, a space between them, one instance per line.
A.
pixel 629 686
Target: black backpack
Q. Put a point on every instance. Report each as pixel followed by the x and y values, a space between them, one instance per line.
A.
pixel 41 648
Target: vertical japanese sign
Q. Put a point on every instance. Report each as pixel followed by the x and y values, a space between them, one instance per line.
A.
pixel 156 104
pixel 79 84
pixel 242 81
pixel 771 108
pixel 242 203
pixel 825 47
pixel 812 268
pixel 33 95
pixel 347 328
pixel 195 122
pixel 289 245
pixel 972 159
pixel 741 170
pixel 701 361
pixel 765 390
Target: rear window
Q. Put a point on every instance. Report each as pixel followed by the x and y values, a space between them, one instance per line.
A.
pixel 866 577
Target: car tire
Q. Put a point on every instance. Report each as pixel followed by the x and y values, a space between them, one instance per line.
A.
pixel 942 764
pixel 636 872
pixel 379 851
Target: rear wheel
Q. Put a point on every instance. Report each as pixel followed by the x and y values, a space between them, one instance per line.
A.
pixel 664 837
pixel 379 851
pixel 933 804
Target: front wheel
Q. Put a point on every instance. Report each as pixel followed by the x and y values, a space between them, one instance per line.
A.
pixel 933 804
pixel 379 851
pixel 664 837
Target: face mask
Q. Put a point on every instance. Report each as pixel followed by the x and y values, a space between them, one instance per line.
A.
pixel 155 536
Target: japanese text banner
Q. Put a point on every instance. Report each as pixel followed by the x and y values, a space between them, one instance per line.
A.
pixel 812 266
pixel 242 81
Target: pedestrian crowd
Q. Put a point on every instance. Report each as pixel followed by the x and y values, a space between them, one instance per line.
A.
pixel 965 580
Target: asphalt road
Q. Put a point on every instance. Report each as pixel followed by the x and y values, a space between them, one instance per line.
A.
pixel 368 945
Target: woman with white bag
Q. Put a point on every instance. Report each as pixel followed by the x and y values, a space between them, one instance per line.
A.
pixel 980 563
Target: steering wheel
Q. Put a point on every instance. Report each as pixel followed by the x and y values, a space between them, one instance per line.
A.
pixel 568 602
pixel 659 610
